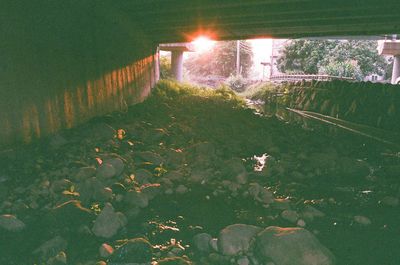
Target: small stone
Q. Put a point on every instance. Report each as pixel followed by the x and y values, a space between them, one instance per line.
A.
pixel 60 185
pixel 260 193
pixel 136 198
pixel 201 242
pixel 151 190
pixel 106 171
pixel 243 261
pixel 290 215
pixel 11 223
pixel 108 222
pixel 51 248
pixel 117 164
pixel 235 169
pixel 174 261
pixel 362 220
pixel 301 223
pixel 309 213
pixel 59 259
pixel 85 173
pixel 214 244
pixel 390 201
pixel 106 250
pixel 181 189
pixel 151 157
pixel 57 141
pixel 143 176
pixel 281 204
pixel 101 130
pixel 137 250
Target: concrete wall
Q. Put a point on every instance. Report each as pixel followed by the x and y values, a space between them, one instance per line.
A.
pixel 371 104
pixel 64 62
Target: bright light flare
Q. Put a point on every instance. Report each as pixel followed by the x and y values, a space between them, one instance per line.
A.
pixel 203 43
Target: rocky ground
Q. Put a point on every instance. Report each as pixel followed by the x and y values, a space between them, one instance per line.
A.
pixel 193 176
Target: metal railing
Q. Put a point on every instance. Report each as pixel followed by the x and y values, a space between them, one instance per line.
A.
pixel 299 77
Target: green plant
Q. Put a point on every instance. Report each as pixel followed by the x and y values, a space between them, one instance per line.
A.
pixel 237 83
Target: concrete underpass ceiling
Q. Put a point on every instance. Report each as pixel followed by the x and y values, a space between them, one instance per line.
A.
pixel 175 21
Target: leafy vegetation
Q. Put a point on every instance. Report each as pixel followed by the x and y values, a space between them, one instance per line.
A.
pixel 165 67
pixel 352 58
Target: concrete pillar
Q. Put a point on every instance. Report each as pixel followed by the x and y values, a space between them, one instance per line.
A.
pixel 177 64
pixel 396 69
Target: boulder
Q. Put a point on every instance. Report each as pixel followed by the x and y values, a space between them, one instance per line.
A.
pixel 236 238
pixel 362 220
pixel 289 246
pixel 108 222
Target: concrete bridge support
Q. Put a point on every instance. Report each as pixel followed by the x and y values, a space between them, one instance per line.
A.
pixel 177 50
pixel 396 70
pixel 177 65
pixel 392 47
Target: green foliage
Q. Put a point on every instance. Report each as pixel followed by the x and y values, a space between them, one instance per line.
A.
pixel 169 89
pixel 343 69
pixel 315 56
pixel 220 60
pixel 237 83
pixel 165 67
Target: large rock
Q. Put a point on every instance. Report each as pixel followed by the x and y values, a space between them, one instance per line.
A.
pixel 291 246
pixel 137 250
pixel 235 239
pixel 11 223
pixel 108 222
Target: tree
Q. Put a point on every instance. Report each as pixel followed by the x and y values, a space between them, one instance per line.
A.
pixel 319 56
pixel 343 69
pixel 304 55
pixel 220 60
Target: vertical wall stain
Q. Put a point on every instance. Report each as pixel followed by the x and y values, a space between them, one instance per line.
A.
pixel 47 113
